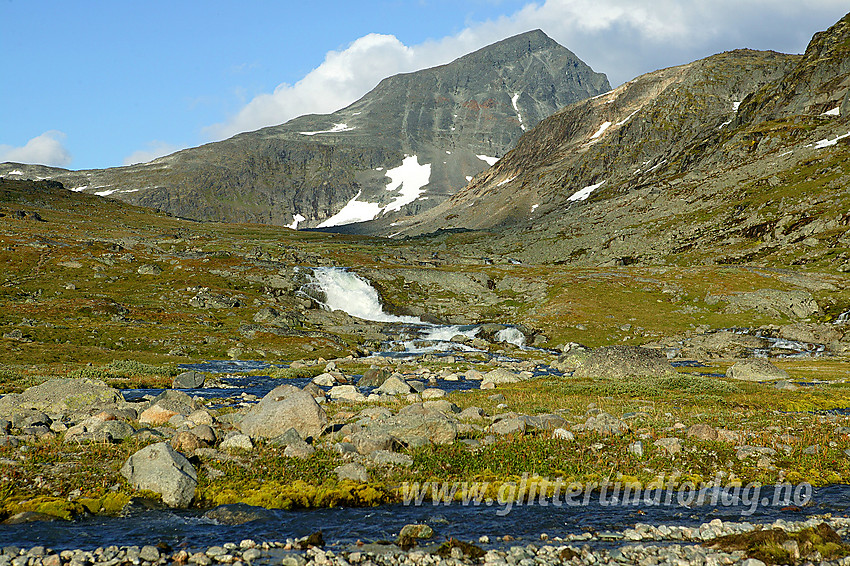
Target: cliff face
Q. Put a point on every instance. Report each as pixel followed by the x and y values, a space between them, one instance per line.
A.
pixel 453 120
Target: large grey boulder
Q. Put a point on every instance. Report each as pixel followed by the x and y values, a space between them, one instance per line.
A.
pixel 394 386
pixel 374 377
pixel 418 428
pixel 624 361
pixel 63 396
pixel 188 380
pixel 161 469
pixel 500 376
pixel 284 407
pixel 757 369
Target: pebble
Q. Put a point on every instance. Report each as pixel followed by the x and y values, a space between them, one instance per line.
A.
pixel 642 544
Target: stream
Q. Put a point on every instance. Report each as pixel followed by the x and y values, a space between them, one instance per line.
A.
pixel 344 526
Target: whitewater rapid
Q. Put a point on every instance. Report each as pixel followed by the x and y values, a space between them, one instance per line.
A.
pixel 336 288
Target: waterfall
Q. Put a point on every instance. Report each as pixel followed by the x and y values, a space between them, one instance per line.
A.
pixel 843 318
pixel 334 288
pixel 511 336
pixel 349 292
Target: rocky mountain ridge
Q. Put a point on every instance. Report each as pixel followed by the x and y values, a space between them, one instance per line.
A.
pixel 737 157
pixel 408 144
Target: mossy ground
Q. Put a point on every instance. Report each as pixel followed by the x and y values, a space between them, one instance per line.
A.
pixel 71 288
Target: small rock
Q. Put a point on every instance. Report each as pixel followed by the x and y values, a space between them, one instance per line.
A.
pixel 669 445
pixel 563 434
pixel 149 553
pixel 416 531
pixel 352 471
pixel 237 442
pixel 702 431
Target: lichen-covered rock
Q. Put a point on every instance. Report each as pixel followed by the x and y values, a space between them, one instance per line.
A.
pixel 161 469
pixel 603 424
pixel 352 471
pixel 285 407
pixel 624 361
pixel 757 369
pixel 188 380
pixel 63 396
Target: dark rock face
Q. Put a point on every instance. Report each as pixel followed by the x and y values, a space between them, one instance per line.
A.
pixel 313 165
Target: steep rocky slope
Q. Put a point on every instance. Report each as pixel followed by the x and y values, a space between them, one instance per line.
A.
pixel 738 157
pixel 407 145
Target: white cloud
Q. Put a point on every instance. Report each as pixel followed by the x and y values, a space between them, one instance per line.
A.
pixel 155 149
pixel 622 38
pixel 46 149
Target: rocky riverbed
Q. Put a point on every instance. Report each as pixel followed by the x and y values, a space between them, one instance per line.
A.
pixel 816 540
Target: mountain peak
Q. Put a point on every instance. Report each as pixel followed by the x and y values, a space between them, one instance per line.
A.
pixel 404 147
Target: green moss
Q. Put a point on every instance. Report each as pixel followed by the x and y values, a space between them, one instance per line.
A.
pixel 771 546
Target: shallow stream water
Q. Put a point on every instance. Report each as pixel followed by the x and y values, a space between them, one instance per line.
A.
pixel 343 526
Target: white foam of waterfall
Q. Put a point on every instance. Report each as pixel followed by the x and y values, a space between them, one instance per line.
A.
pixel 349 292
pixel 511 336
pixel 843 318
pixel 446 333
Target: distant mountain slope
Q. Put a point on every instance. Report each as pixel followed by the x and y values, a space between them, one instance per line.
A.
pixel 407 145
pixel 736 157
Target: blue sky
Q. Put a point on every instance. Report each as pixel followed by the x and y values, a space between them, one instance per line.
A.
pixel 99 84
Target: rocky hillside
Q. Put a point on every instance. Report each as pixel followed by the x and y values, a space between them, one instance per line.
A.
pixel 407 145
pixel 738 157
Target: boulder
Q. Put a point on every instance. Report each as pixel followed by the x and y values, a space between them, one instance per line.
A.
pixel 368 441
pixel 417 429
pixel 619 362
pixel 563 434
pixel 432 393
pixel 416 531
pixel 186 442
pixel 63 396
pixel 499 376
pixel 238 514
pixel 149 269
pixel 394 386
pixel 346 393
pixel 299 449
pixel 188 380
pixel 441 406
pixel 374 377
pixel 237 442
pixel 773 302
pixel 161 469
pixel 156 415
pixel 472 414
pixel 604 424
pixel 285 407
pixel 757 369
pixel 352 471
pixel 324 380
pixel 723 344
pixel 386 458
pixel 702 431
pixel 290 436
pixel 515 426
pixel 669 445
pixel 206 433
